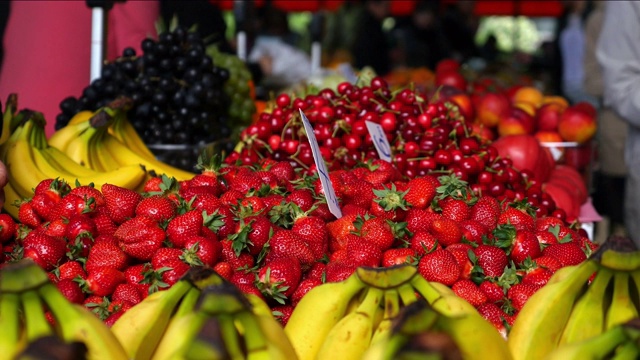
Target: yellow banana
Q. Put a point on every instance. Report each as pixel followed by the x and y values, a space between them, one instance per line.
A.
pixel 81 116
pixel 59 159
pixel 539 325
pixel 7 117
pixel 351 336
pixel 323 306
pixel 127 134
pixel 587 317
pixel 627 351
pixel 622 308
pixel 141 328
pixel 10 341
pixel 63 137
pixel 272 329
pixel 391 310
pixel 621 260
pixel 23 174
pixel 11 200
pixel 79 149
pixel 598 347
pixel 36 323
pixel 255 340
pixel 126 156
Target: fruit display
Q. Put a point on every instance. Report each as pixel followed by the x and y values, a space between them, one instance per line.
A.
pixel 177 91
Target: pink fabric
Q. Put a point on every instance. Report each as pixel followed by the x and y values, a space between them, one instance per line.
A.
pixel 48 48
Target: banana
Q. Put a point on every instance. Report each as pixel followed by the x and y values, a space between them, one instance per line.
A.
pixel 539 325
pixel 351 336
pixel 11 199
pixel 63 137
pixel 79 149
pixel 127 134
pixel 21 276
pixel 208 344
pixel 7 117
pixel 587 317
pixel 10 341
pixel 126 156
pixel 391 310
pixel 81 116
pixel 622 308
pixel 627 351
pixel 272 329
pixel 36 323
pixel 141 328
pixel 323 306
pixel 598 347
pixel 77 323
pixel 621 260
pixel 256 342
pixel 60 160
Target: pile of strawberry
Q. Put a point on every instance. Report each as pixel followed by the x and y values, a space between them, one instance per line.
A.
pixel 267 229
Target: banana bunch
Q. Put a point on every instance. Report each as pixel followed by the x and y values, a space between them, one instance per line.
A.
pixel 29 159
pixel 351 317
pixel 105 140
pixel 581 302
pixel 202 316
pixel 30 303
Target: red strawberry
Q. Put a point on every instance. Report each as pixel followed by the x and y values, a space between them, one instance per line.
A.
pixel 245 260
pixel 398 256
pixel 301 197
pixel 439 266
pixel 283 171
pixel 104 224
pixel 80 225
pixel 492 260
pixel 53 187
pixel 493 291
pixel 567 254
pixel 144 278
pixel 546 238
pixel 243 276
pixel 316 272
pixel 282 313
pixel 419 219
pixel 423 242
pixel 377 231
pixel 144 243
pixel 279 278
pixel 537 277
pixel 285 243
pixel 201 251
pixel 469 291
pixel 71 270
pixel 223 269
pixel 168 261
pixel 454 209
pixel 313 231
pixel 303 288
pixel 389 203
pixel 519 244
pixel 71 290
pixel 358 193
pixel 206 202
pixel 70 206
pixel 493 314
pixel 47 251
pixel 361 253
pixel 462 258
pixel 183 226
pixel 517 217
pixel 156 207
pixel 446 231
pixel 339 229
pixel 121 203
pixel 126 292
pixel 206 180
pixel 55 228
pixel 473 231
pixel 8 228
pixel 106 254
pixel 486 211
pixel 252 233
pixel 519 294
pixel 544 223
pixel 338 271
pixel 43 203
pixel 548 262
pixel 421 191
pixel 28 216
pixel 102 281
pixel 90 194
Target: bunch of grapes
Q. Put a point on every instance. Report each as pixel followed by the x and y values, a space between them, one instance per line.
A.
pixel 177 91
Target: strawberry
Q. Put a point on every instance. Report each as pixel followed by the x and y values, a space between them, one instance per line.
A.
pixel 88 192
pixel 43 203
pixel 188 193
pixel 339 229
pixel 454 209
pixel 486 211
pixel 232 197
pixel 419 219
pixel 339 271
pixel 439 266
pixel 53 188
pixel 121 203
pixel 245 260
pixel 46 251
pixel 80 225
pixel 518 217
pixel 421 191
pixel 156 207
pixel 8 228
pixel 519 244
pixel 55 228
pixel 548 262
pixel 221 221
pixel 285 243
pixel 493 291
pixel 493 314
pixel 70 270
pixel 389 203
pixel 303 288
pixel 102 281
pixel 423 242
pixel 223 269
pixel 279 278
pixel 446 231
pixel 537 277
pixel 126 292
pixel 252 233
pixel 358 193
pixel 282 313
pixel 152 185
pixel 283 171
pixel 544 223
pixel 568 253
pixel 144 243
pixel 183 226
pixel 361 253
pixel 473 231
pixel 104 224
pixel 106 254
pixel 254 203
pixel 28 216
pixel 246 180
pixel 519 294
pixel 491 260
pixel 270 179
pixel 546 238
pixel 70 206
pixel 71 290
pixel 303 198
pixel 208 203
pixel 461 253
pixel 243 277
pixel 168 259
pixel 201 251
pixel 144 278
pixel 316 272
pixel 377 231
pixel 469 291
pixel 313 232
pixel 206 181
pixel 392 257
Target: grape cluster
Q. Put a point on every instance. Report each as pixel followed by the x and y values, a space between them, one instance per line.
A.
pixel 177 91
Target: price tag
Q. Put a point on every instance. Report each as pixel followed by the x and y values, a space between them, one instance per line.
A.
pixel 380 140
pixel 323 172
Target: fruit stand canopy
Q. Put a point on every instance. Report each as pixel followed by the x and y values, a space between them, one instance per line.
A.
pixel 404 7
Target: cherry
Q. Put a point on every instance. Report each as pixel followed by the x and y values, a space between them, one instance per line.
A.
pixel 424 120
pixel 427 164
pixel 496 189
pixel 352 141
pixel 411 149
pixel 283 100
pixel 378 83
pixel 485 177
pixel 443 157
pixel 559 213
pixel 469 145
pixel 359 127
pixel 388 122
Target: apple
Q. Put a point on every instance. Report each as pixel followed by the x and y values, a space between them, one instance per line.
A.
pixel 545 136
pixel 465 106
pixel 445 65
pixel 516 122
pixel 577 123
pixel 564 199
pixel 548 116
pixel 491 108
pixel 451 78
pixel 526 152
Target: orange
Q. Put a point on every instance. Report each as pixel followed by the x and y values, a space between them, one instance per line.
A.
pixel 528 94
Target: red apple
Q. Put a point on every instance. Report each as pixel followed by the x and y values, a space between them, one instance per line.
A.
pixel 517 122
pixel 491 108
pixel 548 136
pixel 548 116
pixel 577 124
pixel 451 78
pixel 445 65
pixel 526 153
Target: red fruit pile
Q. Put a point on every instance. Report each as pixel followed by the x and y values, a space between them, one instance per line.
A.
pixel 267 229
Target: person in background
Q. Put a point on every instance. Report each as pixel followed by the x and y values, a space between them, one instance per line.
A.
pixel 47 48
pixel 371 45
pixel 611 136
pixel 618 52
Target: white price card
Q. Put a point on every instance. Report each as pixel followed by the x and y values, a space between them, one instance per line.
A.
pixel 380 140
pixel 323 172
